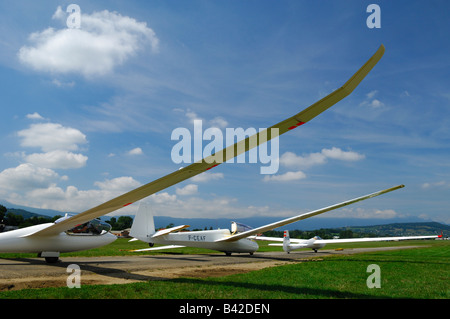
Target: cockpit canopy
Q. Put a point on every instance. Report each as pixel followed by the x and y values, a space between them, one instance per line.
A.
pixel 239 228
pixel 93 227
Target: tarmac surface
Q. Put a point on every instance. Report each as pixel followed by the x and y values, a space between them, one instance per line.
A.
pixel 21 273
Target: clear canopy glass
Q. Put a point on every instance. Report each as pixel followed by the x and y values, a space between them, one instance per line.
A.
pixel 93 227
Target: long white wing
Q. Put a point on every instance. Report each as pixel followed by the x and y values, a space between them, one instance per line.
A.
pixel 223 155
pixel 344 240
pixel 367 239
pixel 304 216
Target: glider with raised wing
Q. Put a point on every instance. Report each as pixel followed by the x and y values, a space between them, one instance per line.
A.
pixel 238 240
pixel 50 239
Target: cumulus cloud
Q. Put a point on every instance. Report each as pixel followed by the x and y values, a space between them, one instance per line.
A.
pixel 103 41
pixel 26 176
pixel 206 177
pixel 51 136
pixel 46 194
pixel 291 160
pixel 56 141
pixel 58 159
pixel 362 213
pixel 135 151
pixel 338 154
pixel 218 121
pixel 286 177
pixel 34 116
pixel 119 184
pixel 190 189
pixel 371 101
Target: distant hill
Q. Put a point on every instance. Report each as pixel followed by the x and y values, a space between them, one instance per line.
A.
pixel 404 229
pixel 373 226
pixel 22 212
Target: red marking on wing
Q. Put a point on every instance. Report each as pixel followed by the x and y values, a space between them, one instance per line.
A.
pixel 296 125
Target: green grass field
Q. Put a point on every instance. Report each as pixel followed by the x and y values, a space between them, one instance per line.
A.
pixel 420 273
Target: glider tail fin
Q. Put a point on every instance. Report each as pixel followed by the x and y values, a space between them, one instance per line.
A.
pixel 143 224
pixel 286 241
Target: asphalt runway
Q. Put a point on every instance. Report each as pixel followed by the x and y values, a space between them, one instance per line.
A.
pixel 20 273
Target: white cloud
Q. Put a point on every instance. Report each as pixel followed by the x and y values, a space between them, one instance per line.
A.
pixel 219 122
pixel 104 41
pixel 371 101
pixel 119 184
pixel 190 189
pixel 337 153
pixel 51 137
pixel 62 84
pixel 206 177
pixel 294 161
pixel 371 94
pixel 46 194
pixel 58 159
pixel 164 204
pixel 163 198
pixel 26 176
pixel 435 184
pixel 286 177
pixel 290 159
pixel 362 213
pixel 34 116
pixel 135 151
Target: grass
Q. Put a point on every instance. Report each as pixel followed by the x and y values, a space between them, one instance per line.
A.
pixel 419 273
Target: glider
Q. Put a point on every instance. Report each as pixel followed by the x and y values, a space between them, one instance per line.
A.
pixel 49 239
pixel 236 241
pixel 316 242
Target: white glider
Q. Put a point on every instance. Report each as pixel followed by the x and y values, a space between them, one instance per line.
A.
pixel 316 242
pixel 236 241
pixel 49 239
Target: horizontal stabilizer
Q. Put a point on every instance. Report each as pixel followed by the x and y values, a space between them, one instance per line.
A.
pixel 158 248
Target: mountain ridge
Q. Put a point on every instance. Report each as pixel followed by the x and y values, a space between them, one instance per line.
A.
pixel 380 227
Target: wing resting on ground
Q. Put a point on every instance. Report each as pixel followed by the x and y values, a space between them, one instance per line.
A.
pixel 343 240
pixel 217 158
pixel 357 240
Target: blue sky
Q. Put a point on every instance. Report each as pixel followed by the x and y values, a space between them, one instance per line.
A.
pixel 87 114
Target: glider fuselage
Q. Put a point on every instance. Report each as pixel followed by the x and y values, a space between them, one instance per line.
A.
pixel 207 239
pixel 17 241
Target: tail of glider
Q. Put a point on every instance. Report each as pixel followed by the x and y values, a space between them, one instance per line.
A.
pixel 286 241
pixel 219 157
pixel 143 227
pixel 143 224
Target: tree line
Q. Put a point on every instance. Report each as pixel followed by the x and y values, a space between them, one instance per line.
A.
pixel 9 218
pixel 324 233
